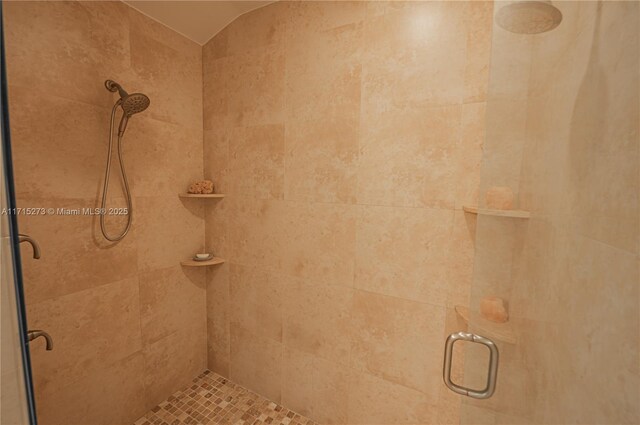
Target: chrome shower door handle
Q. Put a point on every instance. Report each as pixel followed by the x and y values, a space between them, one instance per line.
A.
pixel 493 365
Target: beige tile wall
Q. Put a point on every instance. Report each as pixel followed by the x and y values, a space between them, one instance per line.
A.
pixel 128 323
pixel 347 136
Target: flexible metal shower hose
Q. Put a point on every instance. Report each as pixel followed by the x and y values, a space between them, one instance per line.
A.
pixel 106 182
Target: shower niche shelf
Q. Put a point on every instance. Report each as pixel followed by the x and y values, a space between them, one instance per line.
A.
pixel 500 331
pixel 193 263
pixel 497 213
pixel 201 195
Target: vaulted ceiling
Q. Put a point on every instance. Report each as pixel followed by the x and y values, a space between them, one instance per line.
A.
pixel 196 20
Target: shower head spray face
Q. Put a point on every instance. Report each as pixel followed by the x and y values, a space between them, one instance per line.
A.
pixel 134 103
pixel 131 103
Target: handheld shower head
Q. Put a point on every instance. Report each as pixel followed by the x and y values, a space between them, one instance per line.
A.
pixel 131 103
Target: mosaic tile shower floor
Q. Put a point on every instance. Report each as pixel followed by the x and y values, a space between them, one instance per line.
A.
pixel 212 399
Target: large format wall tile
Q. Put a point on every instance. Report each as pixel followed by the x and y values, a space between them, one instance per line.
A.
pixel 400 252
pixel 168 231
pixel 415 56
pixel 376 401
pixel 170 363
pixel 170 73
pixel 112 393
pixel 74 241
pixel 398 340
pixel 381 105
pixel 46 39
pixel 256 362
pixel 317 320
pixel 407 155
pixel 218 318
pixel 171 299
pixel 256 301
pixel 314 386
pixel 90 329
pixel 64 155
pixel 256 161
pixel 322 91
pixel 151 145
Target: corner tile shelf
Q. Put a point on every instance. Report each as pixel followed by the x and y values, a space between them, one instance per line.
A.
pixel 497 213
pixel 499 331
pixel 201 195
pixel 193 263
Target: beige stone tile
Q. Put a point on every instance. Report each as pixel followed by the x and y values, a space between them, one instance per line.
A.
pixel 510 64
pixel 320 242
pixel 163 69
pixel 55 158
pixel 168 230
pixel 256 161
pixel 216 159
pixel 324 70
pixel 477 415
pixel 255 231
pixel 218 317
pixel 256 301
pixel 407 157
pixel 315 387
pixel 398 340
pixel 171 299
pixel 461 259
pixel 216 81
pixel 325 15
pixel 258 30
pixel 77 244
pixel 317 320
pixel 321 161
pixel 492 270
pixel 311 241
pixel 216 228
pixel 378 8
pixel 171 362
pixel 45 39
pixel 506 124
pixel 255 75
pixel 111 393
pixel 415 57
pixel 469 154
pixel 402 252
pixel 90 329
pixel 256 363
pixel 152 145
pixel 323 109
pixel 373 400
pixel 478 25
pixel 217 47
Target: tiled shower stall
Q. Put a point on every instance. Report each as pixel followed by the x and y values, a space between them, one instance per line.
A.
pixel 347 138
